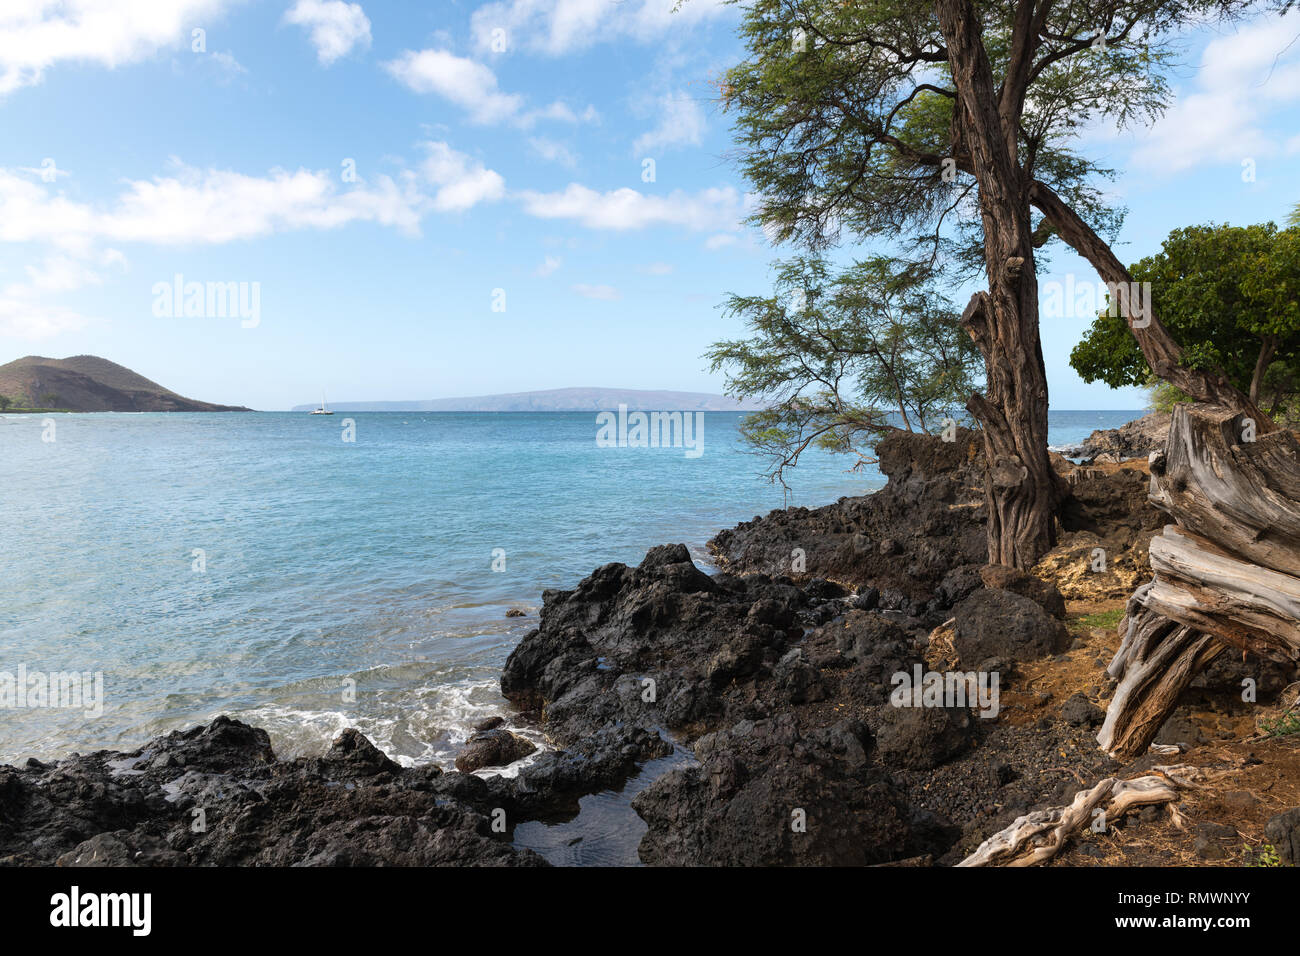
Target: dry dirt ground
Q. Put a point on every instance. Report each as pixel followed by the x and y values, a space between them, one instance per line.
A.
pixel 1250 776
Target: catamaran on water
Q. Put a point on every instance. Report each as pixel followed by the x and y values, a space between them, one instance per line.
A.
pixel 322 410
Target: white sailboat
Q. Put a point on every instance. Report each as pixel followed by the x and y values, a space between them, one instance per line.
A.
pixel 322 410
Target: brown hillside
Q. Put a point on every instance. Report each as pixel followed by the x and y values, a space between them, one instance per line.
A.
pixel 87 383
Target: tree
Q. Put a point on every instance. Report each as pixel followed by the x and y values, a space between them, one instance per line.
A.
pixel 889 118
pixel 846 358
pixel 5 403
pixel 1230 295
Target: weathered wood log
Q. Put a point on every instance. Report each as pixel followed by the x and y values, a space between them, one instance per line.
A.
pixel 1037 837
pixel 1227 575
pixel 1202 586
pixel 1156 661
pixel 1222 480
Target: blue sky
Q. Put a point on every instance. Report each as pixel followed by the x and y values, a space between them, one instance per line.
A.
pixel 497 148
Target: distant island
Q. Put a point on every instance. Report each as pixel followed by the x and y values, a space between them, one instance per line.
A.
pixel 87 383
pixel 559 400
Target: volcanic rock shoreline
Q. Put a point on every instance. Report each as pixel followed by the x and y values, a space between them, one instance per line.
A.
pixel 770 680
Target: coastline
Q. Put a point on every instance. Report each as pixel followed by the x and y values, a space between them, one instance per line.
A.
pixel 744 717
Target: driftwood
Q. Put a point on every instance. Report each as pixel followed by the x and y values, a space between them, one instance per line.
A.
pixel 1037 837
pixel 1227 575
pixel 1156 661
pixel 1253 608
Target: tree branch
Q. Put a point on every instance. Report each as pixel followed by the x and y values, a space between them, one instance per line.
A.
pixel 1163 354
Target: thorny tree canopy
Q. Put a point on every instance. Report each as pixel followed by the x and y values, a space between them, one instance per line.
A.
pixel 849 120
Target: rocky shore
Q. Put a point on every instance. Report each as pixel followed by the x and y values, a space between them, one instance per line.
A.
pixel 772 684
pixel 1136 439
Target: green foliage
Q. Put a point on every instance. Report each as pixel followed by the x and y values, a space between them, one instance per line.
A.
pixel 855 131
pixel 1283 726
pixel 5 402
pixel 1107 619
pixel 1226 294
pixel 1263 855
pixel 846 358
pixel 847 126
pixel 1164 396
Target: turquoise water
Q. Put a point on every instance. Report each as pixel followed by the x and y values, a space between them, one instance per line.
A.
pixel 257 564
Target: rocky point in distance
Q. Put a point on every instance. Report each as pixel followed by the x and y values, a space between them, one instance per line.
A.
pixel 87 383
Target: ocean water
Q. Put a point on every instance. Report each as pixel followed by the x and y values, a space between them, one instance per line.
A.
pixel 258 565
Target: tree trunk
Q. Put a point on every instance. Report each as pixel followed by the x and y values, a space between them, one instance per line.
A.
pixel 1021 488
pixel 1227 575
pixel 1262 362
pixel 1230 573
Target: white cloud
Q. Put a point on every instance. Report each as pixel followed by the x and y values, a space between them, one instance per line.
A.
pixel 221 206
pixel 335 27
pixel 25 319
pixel 473 87
pixel 720 241
pixel 48 171
pixel 29 211
pixel 551 151
pixel 557 27
pixel 1224 117
pixel 58 273
pixel 560 112
pixel 37 34
pixel 549 265
pixel 463 182
pixel 22 313
pixel 625 209
pixel 681 123
pixel 194 206
pixel 228 63
pixel 215 206
pixel 606 293
pixel 469 85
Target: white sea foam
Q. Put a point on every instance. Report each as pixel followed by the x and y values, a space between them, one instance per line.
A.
pixel 425 725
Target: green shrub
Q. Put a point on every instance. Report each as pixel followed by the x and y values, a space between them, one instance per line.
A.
pixel 1263 855
pixel 1283 726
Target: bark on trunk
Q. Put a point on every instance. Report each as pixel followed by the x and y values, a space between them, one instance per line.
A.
pixel 1227 575
pixel 1021 487
pixel 1262 362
